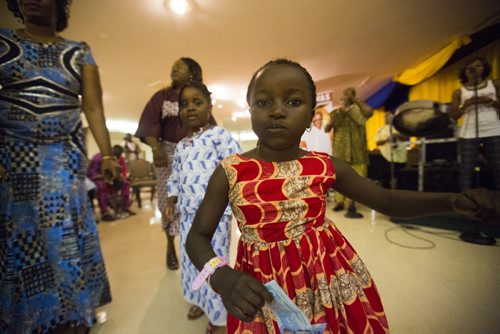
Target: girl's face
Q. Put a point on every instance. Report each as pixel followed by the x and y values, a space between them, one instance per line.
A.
pixel 194 108
pixel 474 70
pixel 280 106
pixel 180 73
pixel 39 12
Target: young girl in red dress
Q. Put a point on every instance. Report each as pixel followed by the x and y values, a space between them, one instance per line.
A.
pixel 277 193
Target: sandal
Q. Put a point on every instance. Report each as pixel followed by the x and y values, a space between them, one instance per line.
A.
pixel 172 262
pixel 212 329
pixel 195 312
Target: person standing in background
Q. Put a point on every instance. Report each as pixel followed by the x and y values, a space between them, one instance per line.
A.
pixel 392 147
pixel 349 139
pixel 130 148
pixel 52 274
pixel 196 157
pixel 315 139
pixel 477 91
pixel 160 127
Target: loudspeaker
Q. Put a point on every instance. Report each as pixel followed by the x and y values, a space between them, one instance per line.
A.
pixel 451 221
pixel 436 179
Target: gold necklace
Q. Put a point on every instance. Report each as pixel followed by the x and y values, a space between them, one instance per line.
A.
pixel 201 130
pixel 190 139
pixel 45 43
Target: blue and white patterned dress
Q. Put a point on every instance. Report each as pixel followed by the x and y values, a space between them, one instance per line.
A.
pixel 51 266
pixel 195 159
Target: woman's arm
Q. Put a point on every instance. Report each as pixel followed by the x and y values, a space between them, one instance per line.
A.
pixel 456 109
pixel 94 111
pixel 496 103
pixel 93 108
pixel 366 110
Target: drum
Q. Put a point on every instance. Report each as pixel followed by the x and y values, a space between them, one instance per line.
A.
pixel 421 118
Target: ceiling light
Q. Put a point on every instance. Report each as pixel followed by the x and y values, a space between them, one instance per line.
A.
pixel 180 7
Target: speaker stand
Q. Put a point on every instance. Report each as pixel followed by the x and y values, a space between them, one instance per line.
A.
pixel 478 238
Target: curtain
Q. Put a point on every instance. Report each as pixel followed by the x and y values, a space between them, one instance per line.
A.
pixel 431 65
pixel 441 86
pixel 372 125
pixel 378 99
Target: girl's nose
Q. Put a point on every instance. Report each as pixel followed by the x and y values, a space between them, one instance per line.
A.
pixel 278 110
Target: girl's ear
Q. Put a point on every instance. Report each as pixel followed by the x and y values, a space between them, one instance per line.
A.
pixel 312 116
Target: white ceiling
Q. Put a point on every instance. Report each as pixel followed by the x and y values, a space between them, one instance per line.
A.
pixel 359 43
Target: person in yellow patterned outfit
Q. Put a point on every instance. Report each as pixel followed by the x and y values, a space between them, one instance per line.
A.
pixel 349 139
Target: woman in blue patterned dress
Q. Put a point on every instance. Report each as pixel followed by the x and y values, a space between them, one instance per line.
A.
pixel 196 157
pixel 52 275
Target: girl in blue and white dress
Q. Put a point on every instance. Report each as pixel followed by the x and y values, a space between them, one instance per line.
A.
pixel 196 157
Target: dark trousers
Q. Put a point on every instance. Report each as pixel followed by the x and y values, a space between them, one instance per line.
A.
pixel 469 153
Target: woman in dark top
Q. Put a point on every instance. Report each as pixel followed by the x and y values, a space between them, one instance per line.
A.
pixel 160 127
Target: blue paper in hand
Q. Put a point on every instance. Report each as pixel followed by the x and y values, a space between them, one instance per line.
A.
pixel 288 316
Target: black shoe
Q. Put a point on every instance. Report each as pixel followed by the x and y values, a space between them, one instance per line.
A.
pixel 338 207
pixel 172 262
pixel 478 238
pixel 108 218
pixel 352 213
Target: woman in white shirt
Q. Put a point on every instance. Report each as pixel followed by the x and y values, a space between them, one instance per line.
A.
pixel 477 91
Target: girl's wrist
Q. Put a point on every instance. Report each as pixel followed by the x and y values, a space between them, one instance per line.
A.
pixel 213 279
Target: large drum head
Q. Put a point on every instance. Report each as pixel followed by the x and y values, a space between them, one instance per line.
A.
pixel 421 118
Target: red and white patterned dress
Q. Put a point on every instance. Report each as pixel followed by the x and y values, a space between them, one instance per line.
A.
pixel 280 209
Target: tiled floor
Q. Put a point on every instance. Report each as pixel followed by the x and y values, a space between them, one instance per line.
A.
pixel 437 284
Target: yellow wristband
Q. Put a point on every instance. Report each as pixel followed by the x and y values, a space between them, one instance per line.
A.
pixel 108 157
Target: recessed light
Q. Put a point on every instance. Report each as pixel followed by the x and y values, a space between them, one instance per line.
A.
pixel 180 7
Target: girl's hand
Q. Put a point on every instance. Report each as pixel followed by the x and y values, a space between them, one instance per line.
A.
pixel 242 294
pixel 3 174
pixel 479 204
pixel 160 158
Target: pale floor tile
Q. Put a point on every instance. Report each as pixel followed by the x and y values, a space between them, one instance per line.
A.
pixel 453 287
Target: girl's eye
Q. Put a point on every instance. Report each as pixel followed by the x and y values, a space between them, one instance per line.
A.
pixel 182 104
pixel 295 102
pixel 262 103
